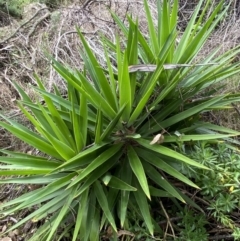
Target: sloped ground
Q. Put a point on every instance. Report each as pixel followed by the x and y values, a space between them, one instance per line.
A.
pixel 24 43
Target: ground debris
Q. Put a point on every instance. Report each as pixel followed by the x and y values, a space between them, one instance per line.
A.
pixel 6 239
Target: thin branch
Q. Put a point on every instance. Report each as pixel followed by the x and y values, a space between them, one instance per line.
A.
pixel 22 25
pixel 222 237
pixel 236 109
pixel 35 25
pixel 168 219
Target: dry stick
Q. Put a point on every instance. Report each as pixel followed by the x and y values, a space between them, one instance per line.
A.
pixel 58 42
pixel 196 197
pixel 165 233
pixel 235 107
pixel 171 219
pixel 9 81
pixel 66 33
pixel 125 233
pixel 13 219
pixel 22 25
pixel 7 47
pixel 86 3
pixel 168 219
pixel 35 25
pixel 217 230
pixel 203 98
pixel 222 237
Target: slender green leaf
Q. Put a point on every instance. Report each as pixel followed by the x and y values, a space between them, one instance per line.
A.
pixel 103 202
pixel 83 122
pixel 144 99
pixel 138 170
pixel 75 119
pixel 31 138
pixel 99 127
pixel 111 76
pixel 119 184
pixel 155 192
pixel 60 135
pixel 164 29
pixel 88 90
pixel 23 172
pixel 81 209
pixel 96 163
pixel 183 137
pixel 141 200
pixel 36 179
pixel 151 28
pixel 65 151
pixel 112 195
pixel 57 118
pixel 154 175
pixel 153 159
pixel 109 129
pixel 94 234
pixel 81 159
pixel 42 209
pixel 97 74
pixel 145 50
pixel 185 114
pixel 62 213
pixel 126 175
pixel 125 92
pixel 168 152
pixel 98 173
pixel 187 33
pixel 30 162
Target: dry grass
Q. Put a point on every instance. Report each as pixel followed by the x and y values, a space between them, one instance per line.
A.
pixel 24 52
pixel 225 37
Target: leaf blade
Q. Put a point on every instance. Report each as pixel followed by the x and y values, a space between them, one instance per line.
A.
pixel 138 170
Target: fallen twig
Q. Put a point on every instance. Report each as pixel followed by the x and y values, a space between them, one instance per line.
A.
pixel 35 25
pixel 236 109
pixel 168 219
pixel 22 25
pixel 222 237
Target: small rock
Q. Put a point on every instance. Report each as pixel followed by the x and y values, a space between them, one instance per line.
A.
pixel 16 232
pixel 6 239
pixel 4 228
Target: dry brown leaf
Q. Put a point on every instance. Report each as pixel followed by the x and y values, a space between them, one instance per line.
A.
pixel 152 67
pixel 159 138
pixel 155 139
pixel 125 232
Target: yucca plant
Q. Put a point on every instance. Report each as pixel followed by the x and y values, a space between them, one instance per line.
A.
pixel 110 146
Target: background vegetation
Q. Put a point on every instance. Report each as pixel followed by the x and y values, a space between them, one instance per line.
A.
pixel 218 199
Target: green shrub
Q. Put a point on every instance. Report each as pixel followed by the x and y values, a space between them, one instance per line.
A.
pixel 11 7
pixel 219 185
pixel 108 147
pixel 191 226
pixel 14 7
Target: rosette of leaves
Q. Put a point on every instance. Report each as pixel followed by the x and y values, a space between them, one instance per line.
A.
pixel 105 151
